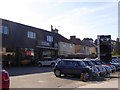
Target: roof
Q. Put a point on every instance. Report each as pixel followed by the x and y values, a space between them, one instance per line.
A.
pixel 77 41
pixel 88 43
pixel 43 30
pixel 72 59
pixel 63 39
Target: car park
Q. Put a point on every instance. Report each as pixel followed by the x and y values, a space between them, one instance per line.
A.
pixel 95 71
pixel 107 68
pixel 4 80
pixel 116 65
pixel 102 71
pixel 74 67
pixel 113 68
pixel 46 62
pixel 116 61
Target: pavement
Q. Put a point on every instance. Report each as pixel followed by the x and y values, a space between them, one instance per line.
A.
pixel 108 84
pixel 113 83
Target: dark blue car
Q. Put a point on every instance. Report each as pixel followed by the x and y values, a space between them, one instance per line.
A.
pixel 72 67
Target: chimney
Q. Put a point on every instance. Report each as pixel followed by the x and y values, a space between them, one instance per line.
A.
pixel 51 28
pixel 54 30
pixel 72 37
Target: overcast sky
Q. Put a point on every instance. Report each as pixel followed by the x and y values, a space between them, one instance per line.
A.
pixel 71 17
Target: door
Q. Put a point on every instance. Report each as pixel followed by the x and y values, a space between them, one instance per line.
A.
pixel 76 69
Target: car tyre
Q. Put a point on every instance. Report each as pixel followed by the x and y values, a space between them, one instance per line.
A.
pixel 39 64
pixel 53 64
pixel 86 76
pixel 57 73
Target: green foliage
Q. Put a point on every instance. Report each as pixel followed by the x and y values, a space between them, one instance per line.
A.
pixel 117 49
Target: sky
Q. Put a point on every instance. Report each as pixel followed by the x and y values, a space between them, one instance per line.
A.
pixel 83 18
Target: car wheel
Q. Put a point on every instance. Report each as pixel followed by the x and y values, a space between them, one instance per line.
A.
pixel 39 64
pixel 86 76
pixel 57 73
pixel 53 64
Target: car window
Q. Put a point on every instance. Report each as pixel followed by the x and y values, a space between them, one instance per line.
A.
pixel 61 62
pixel 94 62
pixel 75 63
pixel 91 63
pixel 97 62
pixel 86 63
pixel 68 63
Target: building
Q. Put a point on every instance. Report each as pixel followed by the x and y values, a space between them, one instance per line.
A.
pixel 65 47
pixel 91 47
pixel 22 42
pixel 83 48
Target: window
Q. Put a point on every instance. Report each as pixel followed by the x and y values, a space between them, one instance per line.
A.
pixel 0 29
pixel 4 30
pixel 50 38
pixel 31 35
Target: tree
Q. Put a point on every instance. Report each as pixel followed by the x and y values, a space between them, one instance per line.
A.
pixel 117 48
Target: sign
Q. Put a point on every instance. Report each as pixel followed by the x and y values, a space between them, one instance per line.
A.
pixel 45 43
pixel 104 48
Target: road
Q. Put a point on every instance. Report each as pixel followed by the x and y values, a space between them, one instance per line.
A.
pixel 43 77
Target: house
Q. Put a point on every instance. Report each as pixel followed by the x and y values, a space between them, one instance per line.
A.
pixel 83 48
pixel 65 46
pixel 91 47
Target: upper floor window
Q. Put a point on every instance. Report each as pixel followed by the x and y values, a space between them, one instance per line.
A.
pixel 50 38
pixel 31 35
pixel 4 30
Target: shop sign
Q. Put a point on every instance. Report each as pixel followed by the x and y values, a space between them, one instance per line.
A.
pixel 29 53
pixel 45 43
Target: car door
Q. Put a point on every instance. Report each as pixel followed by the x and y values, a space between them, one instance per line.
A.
pixel 67 68
pixel 75 69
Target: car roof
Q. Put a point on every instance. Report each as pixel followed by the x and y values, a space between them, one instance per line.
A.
pixel 72 59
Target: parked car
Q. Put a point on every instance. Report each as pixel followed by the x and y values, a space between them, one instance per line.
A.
pixel 72 67
pixel 4 80
pixel 107 68
pixel 46 62
pixel 102 71
pixel 117 65
pixel 95 71
pixel 113 68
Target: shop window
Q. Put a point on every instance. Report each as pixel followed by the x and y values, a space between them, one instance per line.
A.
pixel 27 53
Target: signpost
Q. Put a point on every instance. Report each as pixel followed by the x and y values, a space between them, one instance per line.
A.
pixel 104 47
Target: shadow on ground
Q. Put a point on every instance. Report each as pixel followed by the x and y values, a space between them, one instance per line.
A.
pixel 76 78
pixel 16 71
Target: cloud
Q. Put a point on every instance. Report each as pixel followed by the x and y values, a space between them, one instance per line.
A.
pixel 82 20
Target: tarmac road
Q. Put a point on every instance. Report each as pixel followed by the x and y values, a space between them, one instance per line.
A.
pixel 43 77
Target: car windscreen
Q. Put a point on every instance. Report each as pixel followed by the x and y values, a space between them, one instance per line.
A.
pixel 81 63
pixel 91 63
pixel 86 63
pixel 94 62
pixel 98 63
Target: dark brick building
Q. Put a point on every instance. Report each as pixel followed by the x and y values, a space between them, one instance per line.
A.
pixel 22 42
